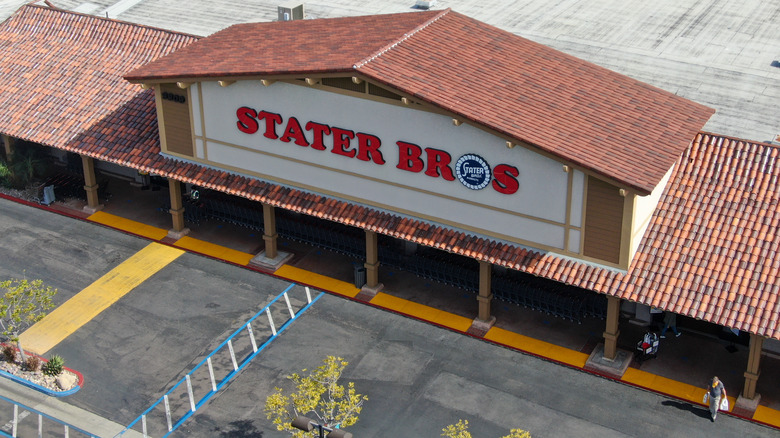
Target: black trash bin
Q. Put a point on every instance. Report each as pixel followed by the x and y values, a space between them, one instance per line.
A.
pixel 360 276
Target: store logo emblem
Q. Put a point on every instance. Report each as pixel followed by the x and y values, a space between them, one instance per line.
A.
pixel 473 171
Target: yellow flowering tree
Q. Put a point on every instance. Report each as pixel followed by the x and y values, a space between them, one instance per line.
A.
pixel 316 395
pixel 22 304
pixel 460 430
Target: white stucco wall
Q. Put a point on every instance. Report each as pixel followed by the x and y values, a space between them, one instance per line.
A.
pixel 535 213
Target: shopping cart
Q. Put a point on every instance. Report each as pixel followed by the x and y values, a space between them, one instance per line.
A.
pixel 648 347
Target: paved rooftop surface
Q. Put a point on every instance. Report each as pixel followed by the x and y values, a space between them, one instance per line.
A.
pixel 722 54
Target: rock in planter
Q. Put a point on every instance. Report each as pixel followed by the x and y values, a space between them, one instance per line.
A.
pixel 66 381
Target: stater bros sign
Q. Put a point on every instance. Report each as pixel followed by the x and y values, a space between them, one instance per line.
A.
pixel 470 169
pixel 393 157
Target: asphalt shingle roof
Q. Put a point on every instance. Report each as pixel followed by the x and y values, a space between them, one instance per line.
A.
pixel 618 127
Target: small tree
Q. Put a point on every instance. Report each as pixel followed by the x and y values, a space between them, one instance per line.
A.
pixel 316 395
pixel 22 304
pixel 460 430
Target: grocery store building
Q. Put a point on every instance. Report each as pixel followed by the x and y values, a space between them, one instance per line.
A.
pixel 417 131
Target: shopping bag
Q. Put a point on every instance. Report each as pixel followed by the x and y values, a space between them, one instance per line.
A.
pixel 706 398
pixel 724 404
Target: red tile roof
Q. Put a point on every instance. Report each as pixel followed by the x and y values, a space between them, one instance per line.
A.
pixel 712 249
pixel 585 114
pixel 61 71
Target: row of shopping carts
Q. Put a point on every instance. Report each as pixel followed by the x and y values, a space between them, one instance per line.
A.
pixel 71 186
pixel 234 212
pixel 337 238
pixel 555 299
pixel 443 267
pixel 563 301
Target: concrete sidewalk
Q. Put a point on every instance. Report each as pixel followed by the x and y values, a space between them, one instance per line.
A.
pixel 53 407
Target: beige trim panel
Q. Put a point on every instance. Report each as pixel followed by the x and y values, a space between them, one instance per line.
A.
pixel 603 221
pixel 178 127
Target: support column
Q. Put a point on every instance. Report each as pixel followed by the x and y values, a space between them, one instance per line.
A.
pixel 90 185
pixel 8 145
pixel 372 286
pixel 484 320
pixel 485 296
pixel 177 210
pixel 269 231
pixel 611 333
pixel 270 258
pixel 372 260
pixel 606 358
pixel 747 402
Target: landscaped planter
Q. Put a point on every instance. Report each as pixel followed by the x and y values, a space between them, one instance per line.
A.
pixel 46 385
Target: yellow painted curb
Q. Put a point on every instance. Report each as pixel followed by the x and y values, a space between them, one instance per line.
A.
pixel 767 415
pixel 537 347
pixel 128 225
pixel 213 250
pixel 317 281
pixel 87 304
pixel 421 311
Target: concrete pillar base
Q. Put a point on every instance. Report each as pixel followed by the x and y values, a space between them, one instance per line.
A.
pixel 746 407
pixel 92 210
pixel 367 292
pixel 260 261
pixel 611 368
pixel 480 327
pixel 176 235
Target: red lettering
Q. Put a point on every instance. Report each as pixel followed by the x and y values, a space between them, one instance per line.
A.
pixel 368 148
pixel 293 131
pixel 439 164
pixel 246 120
pixel 409 157
pixel 271 120
pixel 319 130
pixel 341 139
pixel 505 179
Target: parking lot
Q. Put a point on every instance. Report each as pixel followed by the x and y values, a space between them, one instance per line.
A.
pixel 419 377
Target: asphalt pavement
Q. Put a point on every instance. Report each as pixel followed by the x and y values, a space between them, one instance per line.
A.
pixel 419 377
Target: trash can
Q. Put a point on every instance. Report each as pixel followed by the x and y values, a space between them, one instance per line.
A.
pixel 360 276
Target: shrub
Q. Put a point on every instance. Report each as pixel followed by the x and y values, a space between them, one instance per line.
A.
pixel 9 353
pixel 54 366
pixel 32 363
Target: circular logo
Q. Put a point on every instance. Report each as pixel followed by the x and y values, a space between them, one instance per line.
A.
pixel 473 171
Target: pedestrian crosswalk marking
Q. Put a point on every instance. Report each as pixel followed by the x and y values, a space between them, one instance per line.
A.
pixel 87 304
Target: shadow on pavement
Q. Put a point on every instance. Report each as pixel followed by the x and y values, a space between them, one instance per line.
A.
pixel 241 429
pixel 701 412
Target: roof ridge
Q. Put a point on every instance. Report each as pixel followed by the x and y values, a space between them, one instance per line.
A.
pixel 384 49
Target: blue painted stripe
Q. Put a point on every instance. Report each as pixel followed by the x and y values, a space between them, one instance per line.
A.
pixel 233 373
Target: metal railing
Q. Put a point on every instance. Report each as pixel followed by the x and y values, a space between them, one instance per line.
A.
pixel 218 368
